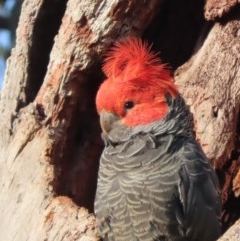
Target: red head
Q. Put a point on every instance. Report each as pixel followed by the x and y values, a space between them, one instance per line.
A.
pixel 136 84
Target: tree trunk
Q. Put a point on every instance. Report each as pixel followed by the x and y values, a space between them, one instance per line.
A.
pixel 50 137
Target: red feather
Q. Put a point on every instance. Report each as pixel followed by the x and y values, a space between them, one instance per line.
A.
pixel 132 58
pixel 135 73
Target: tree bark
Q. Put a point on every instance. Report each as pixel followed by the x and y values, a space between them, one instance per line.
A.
pixel 212 68
pixel 50 137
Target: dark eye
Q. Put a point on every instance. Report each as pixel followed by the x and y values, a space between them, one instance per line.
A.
pixel 128 105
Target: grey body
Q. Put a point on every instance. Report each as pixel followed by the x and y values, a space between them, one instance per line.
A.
pixel 155 183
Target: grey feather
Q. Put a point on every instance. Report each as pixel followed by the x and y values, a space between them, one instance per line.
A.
pixel 155 183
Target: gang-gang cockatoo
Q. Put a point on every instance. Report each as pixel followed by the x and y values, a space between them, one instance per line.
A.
pixel 154 182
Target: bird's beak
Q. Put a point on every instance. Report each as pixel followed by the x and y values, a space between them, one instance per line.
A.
pixel 107 120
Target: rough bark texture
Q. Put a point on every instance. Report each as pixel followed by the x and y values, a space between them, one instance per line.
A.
pixel 215 9
pixel 215 108
pixel 50 138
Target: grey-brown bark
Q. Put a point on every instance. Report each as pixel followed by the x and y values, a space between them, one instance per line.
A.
pixel 50 138
pixel 215 9
pixel 213 67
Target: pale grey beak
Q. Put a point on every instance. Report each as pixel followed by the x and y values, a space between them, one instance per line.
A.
pixel 107 120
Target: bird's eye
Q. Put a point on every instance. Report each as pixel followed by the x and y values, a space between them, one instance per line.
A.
pixel 128 105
